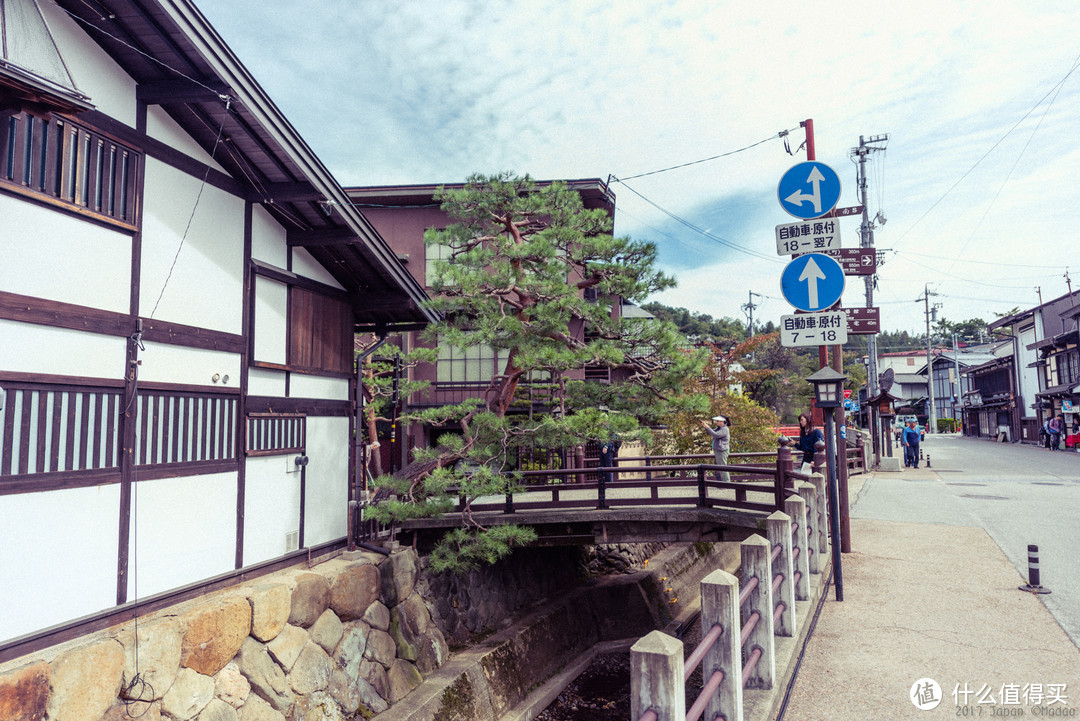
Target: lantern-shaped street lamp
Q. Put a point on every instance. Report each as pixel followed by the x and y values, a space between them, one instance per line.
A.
pixel 829 395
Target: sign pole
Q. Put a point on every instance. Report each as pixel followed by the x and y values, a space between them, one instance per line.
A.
pixel 838 364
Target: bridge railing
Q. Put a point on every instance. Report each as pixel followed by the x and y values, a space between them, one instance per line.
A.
pixel 656 481
pixel 736 655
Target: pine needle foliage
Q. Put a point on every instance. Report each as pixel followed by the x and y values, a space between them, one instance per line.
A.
pixel 530 273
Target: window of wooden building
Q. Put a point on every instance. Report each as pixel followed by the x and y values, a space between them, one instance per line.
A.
pixel 320 332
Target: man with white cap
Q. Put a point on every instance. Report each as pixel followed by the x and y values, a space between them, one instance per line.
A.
pixel 721 442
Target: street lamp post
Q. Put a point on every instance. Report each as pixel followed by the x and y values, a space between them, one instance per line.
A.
pixel 829 394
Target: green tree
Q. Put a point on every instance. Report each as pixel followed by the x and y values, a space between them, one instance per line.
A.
pixel 515 264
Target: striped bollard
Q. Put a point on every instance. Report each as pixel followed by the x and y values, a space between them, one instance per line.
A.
pixel 1034 582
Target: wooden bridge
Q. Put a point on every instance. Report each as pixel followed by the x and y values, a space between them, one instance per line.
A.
pixel 640 499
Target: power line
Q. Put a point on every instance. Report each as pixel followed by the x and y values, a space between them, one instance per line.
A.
pixel 988 152
pixel 781 135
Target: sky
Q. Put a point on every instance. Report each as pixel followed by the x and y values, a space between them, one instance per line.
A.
pixel 972 192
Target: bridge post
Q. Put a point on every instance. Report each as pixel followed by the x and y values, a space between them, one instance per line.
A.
pixel 509 503
pixel 784 468
pixel 720 605
pixel 808 494
pixel 795 506
pixel 757 562
pixel 822 521
pixel 656 677
pixel 601 490
pixel 778 529
pixel 702 492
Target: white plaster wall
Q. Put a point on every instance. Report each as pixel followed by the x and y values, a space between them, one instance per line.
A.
pixel 263 382
pixel 183 531
pixel 268 239
pixel 327 479
pixel 162 127
pixel 303 264
pixel 305 386
pixel 271 320
pixel 205 288
pixel 57 556
pixel 28 348
pixel 1029 377
pixel 110 89
pixel 57 256
pixel 271 507
pixel 163 363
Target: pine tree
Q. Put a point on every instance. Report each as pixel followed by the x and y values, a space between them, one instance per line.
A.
pixel 532 274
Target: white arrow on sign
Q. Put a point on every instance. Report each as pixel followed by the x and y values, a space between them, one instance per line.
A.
pixel 799 197
pixel 811 274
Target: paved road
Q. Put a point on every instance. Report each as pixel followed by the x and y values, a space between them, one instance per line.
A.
pixel 1018 494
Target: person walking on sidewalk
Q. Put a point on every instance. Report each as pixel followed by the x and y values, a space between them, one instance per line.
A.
pixel 721 443
pixel 911 445
pixel 1057 425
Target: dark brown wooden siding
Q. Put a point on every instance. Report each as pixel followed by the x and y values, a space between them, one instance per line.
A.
pixel 320 332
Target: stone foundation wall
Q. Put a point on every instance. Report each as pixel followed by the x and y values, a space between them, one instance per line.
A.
pixel 341 640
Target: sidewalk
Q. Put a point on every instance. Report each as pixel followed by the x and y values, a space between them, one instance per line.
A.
pixel 927 601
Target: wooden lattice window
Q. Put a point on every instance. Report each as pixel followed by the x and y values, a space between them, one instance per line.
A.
pixel 69 164
pixel 275 434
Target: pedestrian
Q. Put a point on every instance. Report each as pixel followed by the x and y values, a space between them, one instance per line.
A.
pixel 808 438
pixel 608 452
pixel 911 445
pixel 1044 433
pixel 721 443
pixel 1057 425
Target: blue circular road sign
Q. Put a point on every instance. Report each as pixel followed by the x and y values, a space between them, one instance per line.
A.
pixel 809 190
pixel 812 282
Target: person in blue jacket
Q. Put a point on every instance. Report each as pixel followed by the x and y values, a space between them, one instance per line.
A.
pixel 808 438
pixel 910 439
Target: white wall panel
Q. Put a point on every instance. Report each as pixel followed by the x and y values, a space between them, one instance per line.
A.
pixel 305 386
pixel 183 531
pixel 162 127
pixel 271 319
pixel 303 264
pixel 110 89
pixel 54 255
pixel 58 555
pixel 271 507
pixel 268 239
pixel 205 288
pixel 193 366
pixel 28 348
pixel 263 382
pixel 327 479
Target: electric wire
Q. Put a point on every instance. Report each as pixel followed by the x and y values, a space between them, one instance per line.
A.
pixel 151 58
pixel 1008 175
pixel 202 186
pixel 781 135
pixel 985 155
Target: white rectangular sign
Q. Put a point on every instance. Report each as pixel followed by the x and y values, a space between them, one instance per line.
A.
pixel 810 329
pixel 808 236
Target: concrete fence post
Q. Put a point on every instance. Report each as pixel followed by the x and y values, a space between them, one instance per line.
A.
pixel 778 529
pixel 720 604
pixel 757 561
pixel 822 524
pixel 813 555
pixel 656 677
pixel 795 507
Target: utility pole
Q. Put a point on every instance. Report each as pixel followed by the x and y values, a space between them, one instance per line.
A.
pixel 748 307
pixel 1068 281
pixel 866 240
pixel 931 418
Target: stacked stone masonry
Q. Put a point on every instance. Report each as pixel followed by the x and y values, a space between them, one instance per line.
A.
pixel 342 640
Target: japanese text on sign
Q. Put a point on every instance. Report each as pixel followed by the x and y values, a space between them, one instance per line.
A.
pixel 809 236
pixel 809 329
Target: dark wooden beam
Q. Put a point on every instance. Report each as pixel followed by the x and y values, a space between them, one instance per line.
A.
pixel 285 193
pixel 325 236
pixel 180 90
